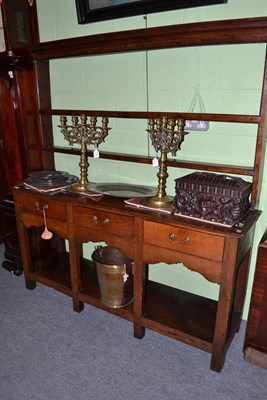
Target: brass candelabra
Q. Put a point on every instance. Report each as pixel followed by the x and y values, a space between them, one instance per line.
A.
pixel 167 136
pixel 84 134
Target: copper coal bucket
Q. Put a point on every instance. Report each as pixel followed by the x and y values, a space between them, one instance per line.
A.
pixel 115 276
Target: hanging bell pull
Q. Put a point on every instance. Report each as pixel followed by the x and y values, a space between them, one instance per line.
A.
pixel 46 233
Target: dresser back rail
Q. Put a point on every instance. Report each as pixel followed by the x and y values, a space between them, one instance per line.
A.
pixel 236 31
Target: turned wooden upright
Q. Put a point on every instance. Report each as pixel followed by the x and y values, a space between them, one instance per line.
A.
pixel 255 346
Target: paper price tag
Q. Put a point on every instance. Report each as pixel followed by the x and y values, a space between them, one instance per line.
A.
pixel 96 153
pixel 155 162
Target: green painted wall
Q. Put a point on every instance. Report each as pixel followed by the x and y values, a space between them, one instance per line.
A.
pixel 229 79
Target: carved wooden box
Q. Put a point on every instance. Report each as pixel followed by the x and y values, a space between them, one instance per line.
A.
pixel 212 197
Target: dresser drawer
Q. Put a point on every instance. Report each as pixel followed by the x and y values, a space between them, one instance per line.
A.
pixel 184 240
pixel 34 205
pixel 120 225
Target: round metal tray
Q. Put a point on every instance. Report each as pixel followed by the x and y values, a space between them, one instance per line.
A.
pixel 122 189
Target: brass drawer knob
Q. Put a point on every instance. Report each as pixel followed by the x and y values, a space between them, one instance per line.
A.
pixel 100 222
pixel 185 240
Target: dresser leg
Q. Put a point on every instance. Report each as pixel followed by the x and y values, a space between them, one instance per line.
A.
pixel 30 284
pixel 217 362
pixel 140 278
pixel 78 306
pixel 139 331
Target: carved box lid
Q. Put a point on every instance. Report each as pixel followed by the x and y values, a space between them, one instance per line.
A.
pixel 214 184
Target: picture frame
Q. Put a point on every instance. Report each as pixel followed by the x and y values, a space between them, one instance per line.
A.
pixel 100 10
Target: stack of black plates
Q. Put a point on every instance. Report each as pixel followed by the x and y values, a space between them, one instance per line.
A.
pixel 50 179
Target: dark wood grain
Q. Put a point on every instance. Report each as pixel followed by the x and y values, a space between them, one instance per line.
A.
pixel 152 114
pixel 20 139
pixel 252 30
pixel 256 332
pixel 226 169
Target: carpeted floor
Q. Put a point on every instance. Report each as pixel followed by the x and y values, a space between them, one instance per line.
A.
pixel 49 352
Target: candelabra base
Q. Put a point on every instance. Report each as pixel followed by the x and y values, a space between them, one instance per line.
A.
pixel 78 188
pixel 158 202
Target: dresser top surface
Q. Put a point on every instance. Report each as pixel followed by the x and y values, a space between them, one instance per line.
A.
pixel 118 205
